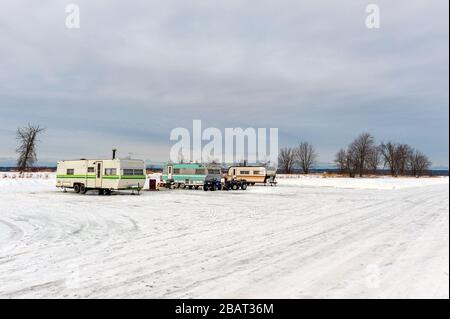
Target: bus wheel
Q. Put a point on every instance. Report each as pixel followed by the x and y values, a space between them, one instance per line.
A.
pixel 83 189
pixel 76 188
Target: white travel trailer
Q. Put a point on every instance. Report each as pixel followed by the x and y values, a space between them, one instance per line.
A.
pixel 253 174
pixel 103 175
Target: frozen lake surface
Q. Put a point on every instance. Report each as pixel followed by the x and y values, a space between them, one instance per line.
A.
pixel 305 238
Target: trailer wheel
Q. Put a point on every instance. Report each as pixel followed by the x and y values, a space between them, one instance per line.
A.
pixel 234 187
pixel 205 188
pixel 196 187
pixel 244 186
pixel 101 192
pixel 107 192
pixel 76 188
pixel 83 189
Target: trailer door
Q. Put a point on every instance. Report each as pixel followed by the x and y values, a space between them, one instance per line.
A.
pixel 98 174
pixel 169 172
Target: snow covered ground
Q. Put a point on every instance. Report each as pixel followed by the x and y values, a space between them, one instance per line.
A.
pixel 306 238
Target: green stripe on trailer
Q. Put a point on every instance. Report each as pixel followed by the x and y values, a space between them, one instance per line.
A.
pixel 178 177
pixel 104 177
pixel 75 176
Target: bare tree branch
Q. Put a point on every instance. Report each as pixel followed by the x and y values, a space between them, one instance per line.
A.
pixel 305 156
pixel 27 137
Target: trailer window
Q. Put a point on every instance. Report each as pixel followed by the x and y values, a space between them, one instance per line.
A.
pixel 214 171
pixel 110 171
pixel 70 171
pixel 130 171
pixel 199 171
pixel 245 172
pixel 91 170
pixel 176 171
pixel 256 172
pixel 127 171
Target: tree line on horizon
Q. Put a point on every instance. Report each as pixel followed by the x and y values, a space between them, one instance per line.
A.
pixel 361 157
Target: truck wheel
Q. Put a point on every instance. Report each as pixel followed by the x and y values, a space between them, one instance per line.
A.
pixel 244 186
pixel 234 187
pixel 76 188
pixel 83 189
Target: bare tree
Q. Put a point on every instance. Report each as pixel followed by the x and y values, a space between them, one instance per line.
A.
pixel 27 137
pixel 341 160
pixel 418 163
pixel 389 154
pixel 286 159
pixel 403 153
pixel 305 156
pixel 346 162
pixel 374 159
pixel 360 149
pixel 395 157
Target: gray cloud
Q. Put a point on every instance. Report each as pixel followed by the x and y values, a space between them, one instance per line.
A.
pixel 136 70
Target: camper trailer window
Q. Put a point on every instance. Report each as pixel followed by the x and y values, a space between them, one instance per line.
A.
pixel 127 171
pixel 110 171
pixel 214 171
pixel 176 171
pixel 256 172
pixel 70 171
pixel 91 169
pixel 245 172
pixel 199 171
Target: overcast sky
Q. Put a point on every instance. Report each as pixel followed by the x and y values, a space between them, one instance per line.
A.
pixel 137 69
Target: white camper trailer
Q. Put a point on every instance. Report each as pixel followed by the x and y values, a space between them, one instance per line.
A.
pixel 103 175
pixel 254 174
